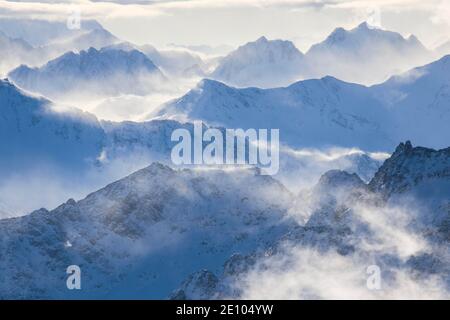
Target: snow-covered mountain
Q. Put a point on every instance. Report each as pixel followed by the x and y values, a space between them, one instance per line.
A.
pixel 263 63
pixel 22 42
pixel 311 113
pixel 330 112
pixel 60 139
pixel 144 235
pixel 365 54
pixel 51 152
pixel 15 52
pixel 350 229
pixel 424 175
pixel 90 73
pixel 172 62
pixel 32 130
pixel 96 38
pixel 421 97
pixel 139 236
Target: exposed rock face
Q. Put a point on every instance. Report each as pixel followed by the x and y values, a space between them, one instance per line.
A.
pixel 148 230
pixel 409 167
pixel 341 221
pixel 198 286
pixel 159 226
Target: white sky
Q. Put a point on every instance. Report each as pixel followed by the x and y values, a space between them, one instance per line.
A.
pixel 235 22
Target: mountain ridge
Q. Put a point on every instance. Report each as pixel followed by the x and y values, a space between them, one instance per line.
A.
pixel 124 214
pixel 107 71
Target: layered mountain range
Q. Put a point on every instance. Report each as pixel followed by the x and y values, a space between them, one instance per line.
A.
pixel 35 42
pixel 356 226
pixel 365 55
pixel 40 129
pixel 328 111
pixel 90 73
pixel 348 197
pixel 32 130
pixel 141 236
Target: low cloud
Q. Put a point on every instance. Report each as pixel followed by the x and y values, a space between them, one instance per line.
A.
pixel 304 272
pixel 301 273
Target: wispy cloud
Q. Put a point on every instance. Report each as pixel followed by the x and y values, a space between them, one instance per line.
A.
pixel 113 8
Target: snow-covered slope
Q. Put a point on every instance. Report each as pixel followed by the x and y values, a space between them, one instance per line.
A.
pixel 33 131
pixel 50 152
pixel 15 52
pixel 176 63
pixel 90 73
pixel 206 230
pixel 311 113
pixel 330 112
pixel 420 175
pixel 351 229
pixel 365 54
pixel 41 141
pixel 419 101
pixel 408 167
pixel 262 63
pixel 140 236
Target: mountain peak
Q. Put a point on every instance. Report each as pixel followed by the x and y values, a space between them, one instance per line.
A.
pixel 157 166
pixel 262 39
pixel 403 148
pixel 107 71
pixel 338 34
pixel 154 169
pixel 262 63
pixel 363 26
pixel 208 82
pixel 409 166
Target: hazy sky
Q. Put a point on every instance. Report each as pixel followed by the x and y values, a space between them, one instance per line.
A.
pixel 234 22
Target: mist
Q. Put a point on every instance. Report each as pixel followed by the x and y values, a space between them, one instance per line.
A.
pixel 386 237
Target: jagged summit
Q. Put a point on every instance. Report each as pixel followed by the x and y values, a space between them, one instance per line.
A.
pixel 403 148
pixel 340 34
pixel 410 166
